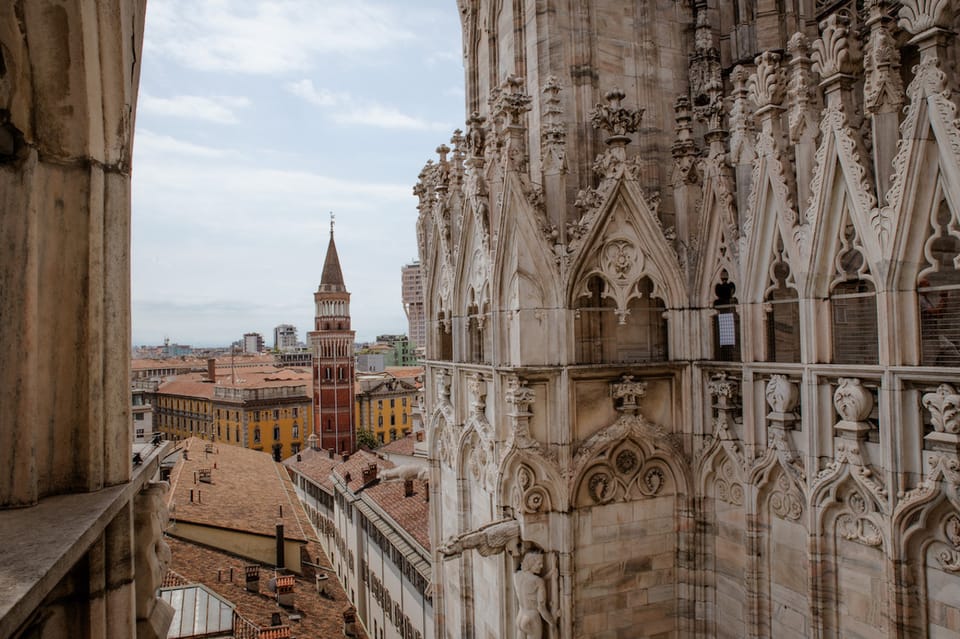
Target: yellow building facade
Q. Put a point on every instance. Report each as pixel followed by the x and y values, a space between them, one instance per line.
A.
pixel 259 412
pixel 384 402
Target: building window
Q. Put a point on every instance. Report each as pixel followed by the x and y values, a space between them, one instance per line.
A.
pixel 296 431
pixel 256 434
pixel 393 434
pixel 380 437
pixel 782 310
pixel 938 293
pixel 393 420
pixel 296 412
pixel 380 420
pixel 393 403
pixel 404 419
pixel 379 404
pixel 726 323
pixel 276 433
pixel 138 417
pixel 277 452
pixel 403 402
pixel 276 413
pixel 327 372
pixel 329 425
pixel 605 336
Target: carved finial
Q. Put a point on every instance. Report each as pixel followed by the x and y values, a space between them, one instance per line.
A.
pixel 882 87
pixel 510 101
pixel 331 223
pixel 477 386
pixel 854 403
pixel 554 131
pixel 519 396
pixel 800 92
pixel 944 407
pixel 835 52
pixel 917 16
pixel 630 393
pixel 617 120
pixel 724 389
pixel 684 149
pixel 742 127
pixel 767 83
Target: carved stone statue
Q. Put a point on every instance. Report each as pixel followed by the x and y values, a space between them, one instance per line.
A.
pixel 532 598
pixel 151 560
pixel 404 472
pixel 487 540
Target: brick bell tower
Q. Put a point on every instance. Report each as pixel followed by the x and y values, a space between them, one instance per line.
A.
pixel 333 365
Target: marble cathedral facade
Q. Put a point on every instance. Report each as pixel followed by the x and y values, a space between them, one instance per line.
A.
pixel 691 278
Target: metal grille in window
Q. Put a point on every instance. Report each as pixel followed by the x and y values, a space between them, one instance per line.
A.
pixel 939 326
pixel 604 337
pixel 854 308
pixel 726 323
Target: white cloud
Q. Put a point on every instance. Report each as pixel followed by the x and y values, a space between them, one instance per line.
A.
pixel 319 97
pixel 219 109
pixel 148 143
pixel 346 109
pixel 268 36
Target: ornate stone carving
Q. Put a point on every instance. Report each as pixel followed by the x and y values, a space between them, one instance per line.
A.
pixel 742 127
pixel 786 502
pixel 532 606
pixel 728 484
pixel 684 149
pixel 917 16
pixel 629 392
pixel 530 495
pixel 944 407
pixel 476 135
pixel 553 130
pixel 767 85
pixel 835 52
pixel 854 403
pixel 508 103
pixel 855 524
pixel 489 539
pixel 151 560
pixel 477 386
pixel 782 394
pixel 614 118
pixel 882 87
pixel 801 93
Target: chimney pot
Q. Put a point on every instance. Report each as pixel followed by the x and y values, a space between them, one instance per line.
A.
pixel 408 488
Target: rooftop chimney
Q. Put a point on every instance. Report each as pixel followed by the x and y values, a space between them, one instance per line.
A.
pixel 330 453
pixel 350 622
pixel 280 558
pixel 408 488
pixel 369 473
pixel 252 573
pixel 285 584
pixel 212 370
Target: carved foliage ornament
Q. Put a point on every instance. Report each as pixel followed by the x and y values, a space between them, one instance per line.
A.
pixel 768 83
pixel 530 495
pixel 782 394
pixel 852 400
pixel 614 118
pixel 917 16
pixel 728 485
pixel 949 558
pixel 944 407
pixel 835 52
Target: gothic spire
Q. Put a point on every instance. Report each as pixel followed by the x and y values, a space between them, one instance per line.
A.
pixel 332 279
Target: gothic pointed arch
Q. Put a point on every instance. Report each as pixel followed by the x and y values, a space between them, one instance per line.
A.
pixel 530 483
pixel 522 250
pixel 928 154
pixel 621 241
pixel 719 249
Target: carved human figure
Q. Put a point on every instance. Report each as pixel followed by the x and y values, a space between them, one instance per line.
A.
pixel 532 598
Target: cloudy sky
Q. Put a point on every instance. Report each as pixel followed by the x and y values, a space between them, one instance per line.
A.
pixel 256 119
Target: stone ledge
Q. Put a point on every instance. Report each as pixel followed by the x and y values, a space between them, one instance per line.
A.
pixel 39 545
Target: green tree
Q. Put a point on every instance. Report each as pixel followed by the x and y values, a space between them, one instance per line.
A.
pixel 366 439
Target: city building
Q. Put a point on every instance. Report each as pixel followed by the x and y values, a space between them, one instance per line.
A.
pixel 384 402
pixel 691 274
pixel 284 338
pixel 252 343
pixel 373 524
pixel 412 293
pixel 265 409
pixel 299 357
pixel 331 342
pixel 242 546
pixel 141 410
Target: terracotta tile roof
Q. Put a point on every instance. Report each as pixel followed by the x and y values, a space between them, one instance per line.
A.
pixel 355 466
pixel 402 446
pixel 319 616
pixel 404 371
pixel 187 386
pixel 315 465
pixel 410 513
pixel 246 493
